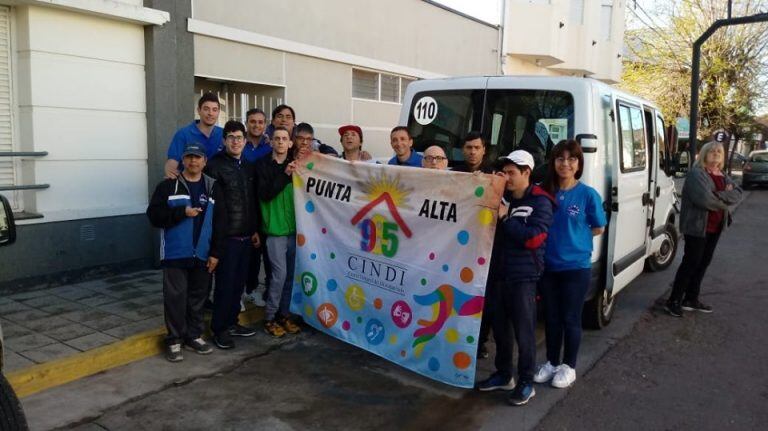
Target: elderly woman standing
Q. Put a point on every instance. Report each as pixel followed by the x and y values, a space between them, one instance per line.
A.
pixel 707 197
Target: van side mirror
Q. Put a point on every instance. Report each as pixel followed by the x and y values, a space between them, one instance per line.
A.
pixel 588 142
pixel 7 224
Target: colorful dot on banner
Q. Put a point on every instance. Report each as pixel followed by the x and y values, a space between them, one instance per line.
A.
pixel 393 339
pixel 402 353
pixel 466 275
pixel 333 255
pixel 313 256
pixel 423 281
pixel 432 256
pixel 462 360
pixel 377 303
pixel 433 364
pixel 345 326
pixel 359 319
pixel 297 183
pixel 485 216
pixel 452 335
pixel 324 230
pixel 331 285
pixel 301 240
pixel 481 261
pixel 470 339
pixel 463 237
pixel 446 268
pixel 479 191
pixel 308 310
pixel 310 207
pixel 310 165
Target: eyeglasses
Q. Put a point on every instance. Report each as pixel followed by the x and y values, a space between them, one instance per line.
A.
pixel 433 159
pixel 563 160
pixel 235 138
pixel 303 138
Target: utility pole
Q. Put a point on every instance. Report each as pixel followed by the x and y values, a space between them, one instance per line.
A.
pixel 696 65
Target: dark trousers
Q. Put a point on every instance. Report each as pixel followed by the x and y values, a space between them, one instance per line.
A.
pixel 486 322
pixel 563 293
pixel 230 281
pixel 515 303
pixel 184 293
pixel 258 255
pixel 696 258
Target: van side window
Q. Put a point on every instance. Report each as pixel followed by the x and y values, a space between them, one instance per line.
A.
pixel 633 148
pixel 661 143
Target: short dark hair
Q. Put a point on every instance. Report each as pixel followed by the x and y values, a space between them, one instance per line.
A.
pixel 254 111
pixel 281 128
pixel 403 129
pixel 471 136
pixel 304 128
pixel 280 108
pixel 208 97
pixel 233 126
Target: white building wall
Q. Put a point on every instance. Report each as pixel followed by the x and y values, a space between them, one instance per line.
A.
pixel 81 96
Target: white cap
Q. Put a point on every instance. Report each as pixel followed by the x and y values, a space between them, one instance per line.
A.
pixel 520 158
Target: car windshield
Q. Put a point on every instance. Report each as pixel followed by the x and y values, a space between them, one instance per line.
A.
pixel 760 158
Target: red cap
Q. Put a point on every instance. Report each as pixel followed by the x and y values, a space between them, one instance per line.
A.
pixel 352 127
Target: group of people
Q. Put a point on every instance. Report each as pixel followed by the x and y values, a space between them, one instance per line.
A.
pixel 226 204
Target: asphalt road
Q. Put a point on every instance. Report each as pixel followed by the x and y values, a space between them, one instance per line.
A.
pixel 645 371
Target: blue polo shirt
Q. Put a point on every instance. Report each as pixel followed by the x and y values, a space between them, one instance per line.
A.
pixel 252 153
pixel 569 240
pixel 414 160
pixel 189 134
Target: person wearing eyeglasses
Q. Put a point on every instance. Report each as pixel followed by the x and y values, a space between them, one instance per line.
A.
pixel 434 158
pixel 237 178
pixel 578 218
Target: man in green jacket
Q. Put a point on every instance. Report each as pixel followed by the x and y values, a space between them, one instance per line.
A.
pixel 275 193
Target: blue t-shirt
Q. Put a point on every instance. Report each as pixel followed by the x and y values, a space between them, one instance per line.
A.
pixel 198 199
pixel 569 244
pixel 191 134
pixel 252 153
pixel 414 160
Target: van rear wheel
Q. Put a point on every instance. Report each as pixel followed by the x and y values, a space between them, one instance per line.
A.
pixel 11 414
pixel 598 311
pixel 663 258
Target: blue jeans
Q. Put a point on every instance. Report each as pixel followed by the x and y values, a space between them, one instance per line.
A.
pixel 282 257
pixel 230 281
pixel 563 295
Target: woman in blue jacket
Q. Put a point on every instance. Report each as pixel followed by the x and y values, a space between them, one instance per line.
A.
pixel 568 265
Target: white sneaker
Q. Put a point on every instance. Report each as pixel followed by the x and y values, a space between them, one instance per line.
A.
pixel 564 377
pixel 242 305
pixel 256 297
pixel 545 373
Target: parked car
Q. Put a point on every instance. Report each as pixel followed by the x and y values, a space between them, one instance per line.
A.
pixel 755 170
pixel 737 161
pixel 11 414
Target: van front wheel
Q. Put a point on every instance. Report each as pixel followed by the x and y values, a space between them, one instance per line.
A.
pixel 598 311
pixel 661 260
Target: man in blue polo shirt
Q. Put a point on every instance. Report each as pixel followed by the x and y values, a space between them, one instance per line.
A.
pixel 402 143
pixel 203 131
pixel 256 141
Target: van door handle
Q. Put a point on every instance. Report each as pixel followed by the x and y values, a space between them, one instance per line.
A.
pixel 646 198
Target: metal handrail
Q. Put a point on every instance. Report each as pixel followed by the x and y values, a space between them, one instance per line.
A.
pixel 23 153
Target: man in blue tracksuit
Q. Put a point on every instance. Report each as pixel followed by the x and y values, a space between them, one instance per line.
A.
pixel 185 209
pixel 519 248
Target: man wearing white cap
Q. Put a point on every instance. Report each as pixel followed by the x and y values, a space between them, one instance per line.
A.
pixel 524 220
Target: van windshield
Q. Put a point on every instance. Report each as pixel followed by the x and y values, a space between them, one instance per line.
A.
pixel 533 120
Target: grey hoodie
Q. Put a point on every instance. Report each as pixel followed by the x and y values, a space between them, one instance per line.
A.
pixel 699 198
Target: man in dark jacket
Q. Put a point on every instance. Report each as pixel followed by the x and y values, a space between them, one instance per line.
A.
pixel 236 178
pixel 192 223
pixel 524 223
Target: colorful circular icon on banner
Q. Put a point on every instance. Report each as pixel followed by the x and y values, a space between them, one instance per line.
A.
pixel 433 364
pixel 355 297
pixel 331 285
pixel 401 314
pixel 308 283
pixel 327 314
pixel 466 275
pixel 462 360
pixel 345 326
pixel 310 207
pixel 451 335
pixel 479 191
pixel 485 216
pixel 301 240
pixel 374 332
pixel 378 303
pixel 463 237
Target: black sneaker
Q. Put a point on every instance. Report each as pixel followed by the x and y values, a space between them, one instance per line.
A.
pixel 482 352
pixel 673 308
pixel 173 353
pixel 495 382
pixel 223 340
pixel 522 393
pixel 241 331
pixel 696 306
pixel 199 346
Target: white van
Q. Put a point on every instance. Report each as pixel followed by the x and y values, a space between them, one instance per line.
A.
pixel 627 158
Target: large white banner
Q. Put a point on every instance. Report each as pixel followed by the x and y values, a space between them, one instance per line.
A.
pixel 395 260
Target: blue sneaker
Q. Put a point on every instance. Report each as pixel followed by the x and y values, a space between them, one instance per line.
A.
pixel 496 382
pixel 522 393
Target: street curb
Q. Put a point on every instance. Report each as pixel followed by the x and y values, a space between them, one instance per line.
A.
pixel 37 378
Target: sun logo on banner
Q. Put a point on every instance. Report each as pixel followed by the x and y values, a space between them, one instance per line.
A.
pixel 379 234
